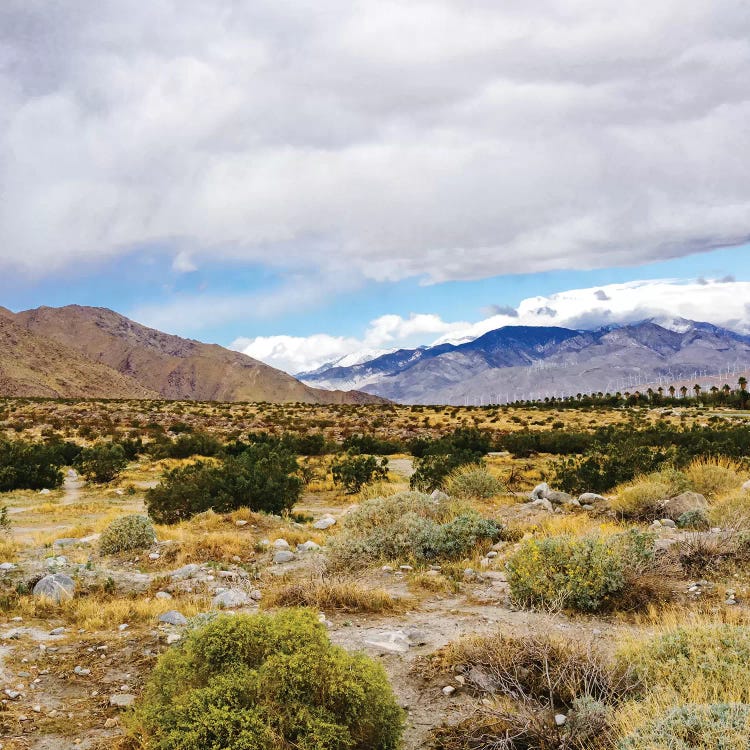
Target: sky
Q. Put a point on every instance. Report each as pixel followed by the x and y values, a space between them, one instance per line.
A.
pixel 304 180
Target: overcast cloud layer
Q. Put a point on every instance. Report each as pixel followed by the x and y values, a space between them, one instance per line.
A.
pixel 722 302
pixel 455 139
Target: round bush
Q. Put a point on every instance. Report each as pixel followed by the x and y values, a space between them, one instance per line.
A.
pixel 720 726
pixel 473 482
pixel 693 519
pixel 126 533
pixel 254 682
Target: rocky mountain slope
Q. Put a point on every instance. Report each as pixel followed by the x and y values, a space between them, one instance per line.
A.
pixel 78 351
pixel 518 362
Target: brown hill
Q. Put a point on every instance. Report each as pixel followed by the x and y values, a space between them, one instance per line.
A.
pixel 33 365
pixel 170 366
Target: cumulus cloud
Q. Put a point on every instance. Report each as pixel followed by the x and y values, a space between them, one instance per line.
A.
pixel 669 301
pixel 450 139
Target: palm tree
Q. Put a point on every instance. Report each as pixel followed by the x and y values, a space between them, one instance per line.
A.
pixel 742 382
pixel 683 391
pixel 697 390
pixel 671 390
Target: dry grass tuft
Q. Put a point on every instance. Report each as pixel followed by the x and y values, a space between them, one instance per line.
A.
pixel 341 595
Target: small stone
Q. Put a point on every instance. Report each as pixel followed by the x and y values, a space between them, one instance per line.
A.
pixel 491 554
pixel 14 695
pixel 308 546
pixel 540 492
pixel 7 566
pixel 173 638
pixel 669 523
pixel 230 599
pixel 460 680
pixel 390 641
pixel 240 523
pixel 256 595
pixel 36 708
pixel 124 626
pixel 405 568
pixel 173 617
pixel 121 700
pixel 283 556
pixel 57 631
pixel 448 690
pixel 111 723
pixel 281 544
pixel 387 569
pixel 163 595
pixel 186 571
pixel 324 523
pixel 154 556
pixel 81 671
pixel 560 719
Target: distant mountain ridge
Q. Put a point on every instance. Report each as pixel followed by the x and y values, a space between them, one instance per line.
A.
pixel 80 352
pixel 527 362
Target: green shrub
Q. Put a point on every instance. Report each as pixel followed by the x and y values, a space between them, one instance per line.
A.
pixel 255 682
pixel 102 462
pixel 718 726
pixel 186 445
pixel 693 519
pixel 436 459
pixel 585 573
pixel 642 499
pixel 355 470
pixel 261 478
pixel 408 525
pixel 473 482
pixel 29 466
pixel 127 533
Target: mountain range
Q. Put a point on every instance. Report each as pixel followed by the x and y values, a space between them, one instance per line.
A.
pixel 525 362
pixel 92 352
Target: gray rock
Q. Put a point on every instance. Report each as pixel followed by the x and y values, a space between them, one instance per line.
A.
pixel 14 695
pixel 390 641
pixel 591 498
pixel 283 556
pixel 121 700
pixel 7 566
pixel 57 586
pixel 163 595
pixel 281 544
pixel 256 595
pixel 558 498
pixel 560 719
pixel 746 486
pixel 540 491
pixel 81 671
pixel 674 507
pixel 669 523
pixel 439 496
pixel 308 546
pixel 66 542
pixel 173 617
pixel 324 523
pixel 57 631
pixel 415 636
pixel 542 502
pixel 186 571
pixel 230 599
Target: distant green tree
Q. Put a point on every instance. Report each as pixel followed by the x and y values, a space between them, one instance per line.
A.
pixel 102 462
pixel 354 470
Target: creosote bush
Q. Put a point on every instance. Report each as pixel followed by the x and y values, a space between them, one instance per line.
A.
pixel 102 462
pixel 473 482
pixel 127 533
pixel 408 525
pixel 588 573
pixel 354 470
pixel 255 682
pixel 263 477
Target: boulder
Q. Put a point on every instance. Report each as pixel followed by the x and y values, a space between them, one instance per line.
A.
pixel 324 523
pixel 540 492
pixel 283 556
pixel 559 498
pixel 173 617
pixel 542 502
pixel 674 507
pixel 308 546
pixel 591 498
pixel 230 599
pixel 281 544
pixel 57 586
pixel 186 571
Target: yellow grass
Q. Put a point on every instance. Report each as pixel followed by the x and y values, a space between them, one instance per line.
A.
pixel 343 595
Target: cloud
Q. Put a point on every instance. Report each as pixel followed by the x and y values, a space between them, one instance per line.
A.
pixel 491 310
pixel 668 301
pixel 445 139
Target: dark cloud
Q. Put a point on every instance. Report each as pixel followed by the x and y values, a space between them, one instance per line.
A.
pixel 446 138
pixel 492 310
pixel 601 295
pixel 547 311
